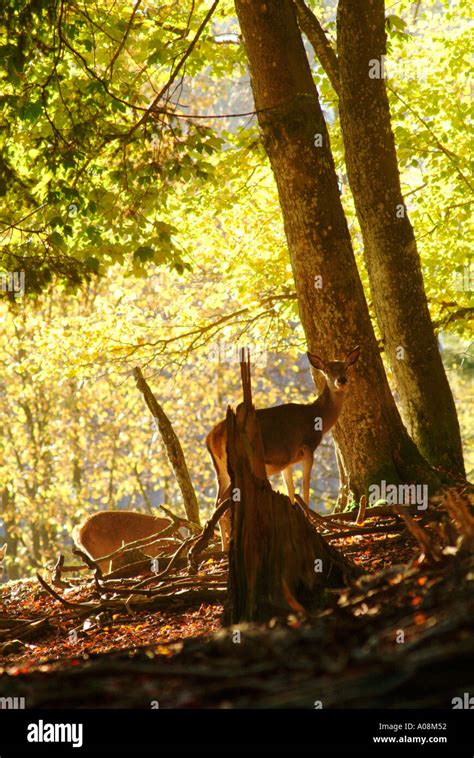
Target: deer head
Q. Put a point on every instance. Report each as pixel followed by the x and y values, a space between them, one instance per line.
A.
pixel 335 372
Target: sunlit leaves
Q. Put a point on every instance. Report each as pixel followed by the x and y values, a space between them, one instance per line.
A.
pixel 75 89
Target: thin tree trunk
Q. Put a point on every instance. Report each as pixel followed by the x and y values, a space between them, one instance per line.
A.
pixel 173 449
pixel 333 309
pixel 8 516
pixel 325 52
pixel 36 542
pixel 391 255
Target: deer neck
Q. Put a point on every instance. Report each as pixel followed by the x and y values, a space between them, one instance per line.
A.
pixel 329 405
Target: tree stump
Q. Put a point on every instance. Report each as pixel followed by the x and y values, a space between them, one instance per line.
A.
pixel 278 562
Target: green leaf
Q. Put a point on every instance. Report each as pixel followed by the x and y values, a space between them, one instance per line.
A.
pixel 395 22
pixel 56 221
pixel 117 106
pixel 155 57
pixel 56 240
pixel 144 253
pixel 6 52
pixel 31 111
pixel 92 264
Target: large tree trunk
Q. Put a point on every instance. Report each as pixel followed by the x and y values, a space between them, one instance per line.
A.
pixel 391 255
pixel 373 441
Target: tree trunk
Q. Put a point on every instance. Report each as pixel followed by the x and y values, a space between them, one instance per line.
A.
pixel 391 254
pixel 8 517
pixel 36 542
pixel 173 449
pixel 333 309
pixel 311 27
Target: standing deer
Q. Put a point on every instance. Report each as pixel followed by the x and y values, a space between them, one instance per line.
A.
pixel 290 433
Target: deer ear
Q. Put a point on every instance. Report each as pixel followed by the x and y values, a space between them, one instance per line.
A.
pixel 316 361
pixel 352 356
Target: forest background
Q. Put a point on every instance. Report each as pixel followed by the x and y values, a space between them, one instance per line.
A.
pixel 168 252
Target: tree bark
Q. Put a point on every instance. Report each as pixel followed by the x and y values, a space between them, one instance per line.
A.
pixel 311 27
pixel 390 251
pixel 335 316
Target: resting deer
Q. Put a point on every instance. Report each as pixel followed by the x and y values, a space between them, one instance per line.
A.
pixel 105 532
pixel 290 433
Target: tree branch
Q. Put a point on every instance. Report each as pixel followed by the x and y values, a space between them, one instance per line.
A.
pixel 178 68
pixel 451 156
pixel 310 26
pixel 461 313
pixel 173 448
pixel 124 38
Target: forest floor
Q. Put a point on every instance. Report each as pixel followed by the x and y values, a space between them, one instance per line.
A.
pixel 401 636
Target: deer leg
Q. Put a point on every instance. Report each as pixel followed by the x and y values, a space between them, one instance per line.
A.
pixel 224 521
pixel 224 526
pixel 307 466
pixel 342 494
pixel 287 474
pixel 223 491
pixel 216 445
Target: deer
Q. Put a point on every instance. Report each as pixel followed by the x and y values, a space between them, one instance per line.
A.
pixel 290 434
pixel 107 531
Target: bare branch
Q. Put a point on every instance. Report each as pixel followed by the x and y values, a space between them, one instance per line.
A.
pixel 173 448
pixel 176 71
pixel 124 38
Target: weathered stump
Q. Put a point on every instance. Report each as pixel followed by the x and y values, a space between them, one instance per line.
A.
pixel 278 562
